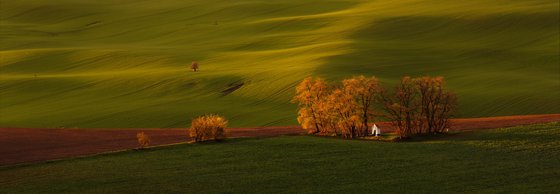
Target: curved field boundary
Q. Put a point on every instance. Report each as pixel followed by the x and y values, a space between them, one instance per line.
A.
pixel 24 145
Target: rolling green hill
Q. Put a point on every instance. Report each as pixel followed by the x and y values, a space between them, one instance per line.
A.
pixel 124 63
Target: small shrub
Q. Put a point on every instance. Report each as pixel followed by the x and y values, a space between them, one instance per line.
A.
pixel 209 127
pixel 143 139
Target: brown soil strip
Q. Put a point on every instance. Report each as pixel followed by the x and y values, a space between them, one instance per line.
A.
pixel 22 145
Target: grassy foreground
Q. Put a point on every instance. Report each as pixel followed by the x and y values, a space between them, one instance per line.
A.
pixel 519 160
pixel 89 63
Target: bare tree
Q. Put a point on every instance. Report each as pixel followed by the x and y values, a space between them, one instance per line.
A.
pixel 436 103
pixel 194 66
pixel 402 107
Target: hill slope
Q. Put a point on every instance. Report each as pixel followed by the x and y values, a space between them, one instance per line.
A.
pixel 507 160
pixel 125 63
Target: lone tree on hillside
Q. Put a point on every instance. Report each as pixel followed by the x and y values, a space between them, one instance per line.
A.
pixel 194 66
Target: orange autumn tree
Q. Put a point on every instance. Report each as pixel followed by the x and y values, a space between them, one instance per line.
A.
pixel 143 140
pixel 363 90
pixel 326 116
pixel 310 96
pixel 208 127
pixel 347 114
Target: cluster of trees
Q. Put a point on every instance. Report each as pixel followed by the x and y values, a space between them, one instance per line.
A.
pixel 419 105
pixel 415 106
pixel 345 110
pixel 209 127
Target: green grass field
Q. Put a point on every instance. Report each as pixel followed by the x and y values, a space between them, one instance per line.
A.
pixel 508 160
pixel 124 63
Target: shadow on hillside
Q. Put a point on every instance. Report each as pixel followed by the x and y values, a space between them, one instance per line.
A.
pixel 434 43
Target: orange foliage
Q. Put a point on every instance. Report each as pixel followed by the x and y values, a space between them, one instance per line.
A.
pixel 348 117
pixel 340 111
pixel 143 139
pixel 209 127
pixel 310 96
pixel 418 105
pixel 363 90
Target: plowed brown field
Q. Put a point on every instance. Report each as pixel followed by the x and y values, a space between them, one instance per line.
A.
pixel 21 145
